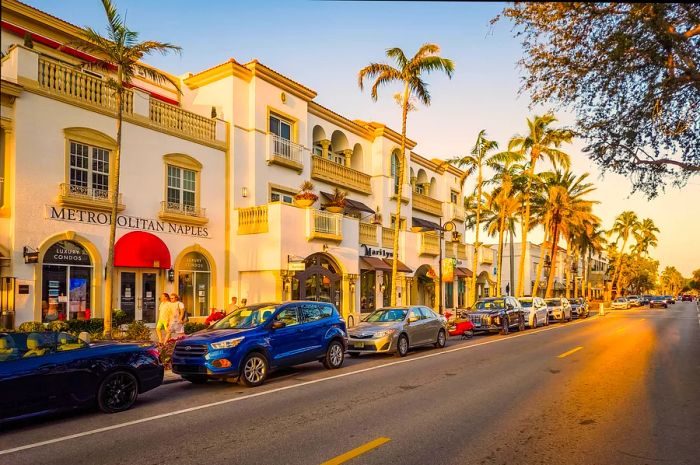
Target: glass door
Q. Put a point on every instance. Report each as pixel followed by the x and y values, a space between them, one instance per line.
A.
pixel 149 295
pixel 127 293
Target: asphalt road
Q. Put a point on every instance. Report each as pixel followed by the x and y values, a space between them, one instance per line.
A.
pixel 619 389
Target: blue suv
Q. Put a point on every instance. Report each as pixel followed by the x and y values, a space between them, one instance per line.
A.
pixel 252 340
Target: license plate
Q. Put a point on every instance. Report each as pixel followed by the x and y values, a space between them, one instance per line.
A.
pixel 358 345
pixel 477 323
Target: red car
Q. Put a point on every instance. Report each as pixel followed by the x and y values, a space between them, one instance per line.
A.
pixel 687 298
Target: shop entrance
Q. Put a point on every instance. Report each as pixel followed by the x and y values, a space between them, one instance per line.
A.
pixel 138 294
pixel 194 283
pixel 320 281
pixel 424 289
pixel 66 282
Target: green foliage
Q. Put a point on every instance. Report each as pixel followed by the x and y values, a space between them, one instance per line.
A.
pixel 94 325
pixel 166 353
pixel 58 325
pixel 119 317
pixel 31 326
pixel 194 327
pixel 138 331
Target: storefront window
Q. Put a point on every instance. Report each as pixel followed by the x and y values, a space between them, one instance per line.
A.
pixel 449 295
pixel 194 283
pixel 461 292
pixel 368 285
pixel 66 282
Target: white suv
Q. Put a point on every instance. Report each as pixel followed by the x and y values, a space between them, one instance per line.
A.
pixel 535 310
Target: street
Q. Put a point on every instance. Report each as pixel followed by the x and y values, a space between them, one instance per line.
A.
pixel 618 389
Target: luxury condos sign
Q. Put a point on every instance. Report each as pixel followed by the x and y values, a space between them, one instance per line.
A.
pixel 123 221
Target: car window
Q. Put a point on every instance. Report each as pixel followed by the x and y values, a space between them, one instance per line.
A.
pixel 427 313
pixel 311 312
pixel 415 314
pixel 326 310
pixel 289 316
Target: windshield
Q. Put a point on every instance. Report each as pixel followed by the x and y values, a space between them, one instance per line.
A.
pixel 490 304
pixel 553 302
pixel 387 314
pixel 526 303
pixel 246 317
pixel 621 299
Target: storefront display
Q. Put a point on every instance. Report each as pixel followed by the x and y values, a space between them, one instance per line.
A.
pixel 194 283
pixel 66 282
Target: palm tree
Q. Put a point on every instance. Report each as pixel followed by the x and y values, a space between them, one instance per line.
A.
pixel 121 52
pixel 408 72
pixel 502 206
pixel 645 237
pixel 590 240
pixel 479 157
pixel 626 223
pixel 541 140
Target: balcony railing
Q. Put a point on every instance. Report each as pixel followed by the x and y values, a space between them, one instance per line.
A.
pixel 340 175
pixel 253 220
pixel 71 83
pixel 325 225
pixel 429 243
pixel 284 152
pixel 427 204
pixel 80 196
pixel 368 234
pixel 182 209
pixel 184 122
pixel 485 256
pixel 450 250
pixel 462 251
pixel 388 238
pixel 455 212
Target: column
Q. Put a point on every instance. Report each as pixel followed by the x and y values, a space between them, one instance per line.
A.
pixel 348 156
pixel 325 143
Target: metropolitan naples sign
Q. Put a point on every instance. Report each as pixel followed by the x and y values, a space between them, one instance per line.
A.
pixel 77 215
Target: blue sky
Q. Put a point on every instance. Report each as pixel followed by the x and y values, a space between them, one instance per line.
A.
pixel 324 44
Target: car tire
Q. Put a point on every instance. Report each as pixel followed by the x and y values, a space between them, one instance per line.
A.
pixel 253 370
pixel 441 339
pixel 334 355
pixel 534 322
pixel 402 346
pixel 196 379
pixel 521 324
pixel 505 327
pixel 117 392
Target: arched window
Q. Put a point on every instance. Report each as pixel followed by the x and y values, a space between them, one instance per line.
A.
pixel 66 282
pixel 395 171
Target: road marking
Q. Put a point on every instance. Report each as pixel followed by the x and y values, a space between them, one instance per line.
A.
pixel 620 330
pixel 356 452
pixel 566 354
pixel 280 389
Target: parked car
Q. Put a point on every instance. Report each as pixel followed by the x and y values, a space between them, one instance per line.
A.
pixel 687 298
pixel 251 341
pixel 621 303
pixel 497 314
pixel 670 299
pixel 558 309
pixel 397 330
pixel 579 307
pixel 658 301
pixel 535 311
pixel 43 372
pixel 646 299
pixel 634 300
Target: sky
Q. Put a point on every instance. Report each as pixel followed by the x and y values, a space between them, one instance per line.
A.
pixel 323 45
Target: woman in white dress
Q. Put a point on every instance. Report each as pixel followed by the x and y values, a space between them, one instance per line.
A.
pixel 177 319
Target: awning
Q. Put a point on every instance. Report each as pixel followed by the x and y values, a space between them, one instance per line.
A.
pixel 140 249
pixel 462 272
pixel 400 266
pixel 350 205
pixel 375 263
pixel 425 224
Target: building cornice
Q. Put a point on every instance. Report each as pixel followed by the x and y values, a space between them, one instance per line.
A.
pixel 381 130
pixel 339 120
pixel 218 72
pixel 273 77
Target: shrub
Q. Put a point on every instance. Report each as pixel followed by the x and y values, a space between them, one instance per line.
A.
pixel 119 317
pixel 138 331
pixel 194 327
pixel 31 326
pixel 58 326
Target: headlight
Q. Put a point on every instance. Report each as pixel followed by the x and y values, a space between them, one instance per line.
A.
pixel 388 332
pixel 228 343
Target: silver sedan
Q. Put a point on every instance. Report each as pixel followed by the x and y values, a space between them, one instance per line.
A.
pixel 396 330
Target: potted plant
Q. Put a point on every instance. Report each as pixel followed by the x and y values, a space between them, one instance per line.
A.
pixel 336 204
pixel 305 197
pixel 377 218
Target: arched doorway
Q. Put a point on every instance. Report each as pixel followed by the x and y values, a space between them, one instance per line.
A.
pixel 194 283
pixel 321 281
pixel 424 289
pixel 482 285
pixel 66 285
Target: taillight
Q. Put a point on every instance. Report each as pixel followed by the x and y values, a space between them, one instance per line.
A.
pixel 154 352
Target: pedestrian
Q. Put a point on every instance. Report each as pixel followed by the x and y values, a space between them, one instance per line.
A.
pixel 233 306
pixel 164 313
pixel 244 302
pixel 178 316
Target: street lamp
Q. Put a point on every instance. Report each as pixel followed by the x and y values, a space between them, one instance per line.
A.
pixel 547 268
pixel 449 226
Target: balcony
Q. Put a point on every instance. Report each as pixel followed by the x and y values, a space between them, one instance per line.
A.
pixel 253 220
pixel 340 175
pixel 427 204
pixel 284 152
pixel 388 238
pixel 324 225
pixel 429 243
pixel 368 234
pixel 462 251
pixel 181 121
pixel 181 213
pixel 88 198
pixel 485 255
pixel 450 250
pixel 455 212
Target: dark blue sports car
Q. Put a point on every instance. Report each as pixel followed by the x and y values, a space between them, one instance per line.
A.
pixel 47 371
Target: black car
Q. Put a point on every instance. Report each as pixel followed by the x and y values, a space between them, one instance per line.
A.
pixel 658 302
pixel 579 308
pixel 43 372
pixel 670 299
pixel 497 314
pixel 645 299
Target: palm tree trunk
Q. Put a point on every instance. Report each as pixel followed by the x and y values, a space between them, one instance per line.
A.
pixel 526 223
pixel 540 264
pixel 109 269
pixel 501 228
pixel 567 271
pixel 472 291
pixel 553 269
pixel 619 268
pixel 399 194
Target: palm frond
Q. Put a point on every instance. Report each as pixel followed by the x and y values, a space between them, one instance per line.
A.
pixel 398 55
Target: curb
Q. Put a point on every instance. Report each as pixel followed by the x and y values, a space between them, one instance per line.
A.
pixel 171 378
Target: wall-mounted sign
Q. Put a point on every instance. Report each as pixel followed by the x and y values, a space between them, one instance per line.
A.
pixel 23 289
pixel 65 253
pixel 296 266
pixel 368 251
pixel 123 221
pixel 194 261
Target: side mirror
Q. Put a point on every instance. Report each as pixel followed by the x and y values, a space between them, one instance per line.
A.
pixel 278 324
pixel 509 306
pixel 412 319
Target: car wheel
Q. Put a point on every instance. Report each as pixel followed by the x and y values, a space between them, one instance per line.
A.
pixel 521 324
pixel 534 322
pixel 506 326
pixel 196 379
pixel 402 346
pixel 441 339
pixel 117 392
pixel 334 356
pixel 254 370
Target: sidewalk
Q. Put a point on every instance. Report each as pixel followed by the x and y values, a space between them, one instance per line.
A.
pixel 171 377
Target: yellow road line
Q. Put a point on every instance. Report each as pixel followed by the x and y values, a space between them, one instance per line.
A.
pixel 566 354
pixel 356 452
